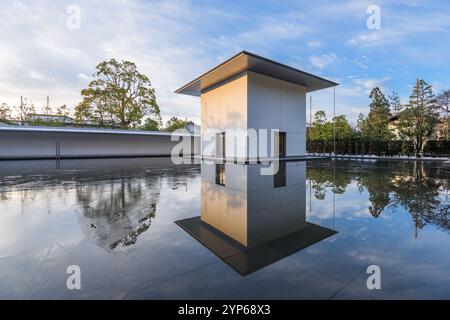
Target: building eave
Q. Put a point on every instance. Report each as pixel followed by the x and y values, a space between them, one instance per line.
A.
pixel 247 61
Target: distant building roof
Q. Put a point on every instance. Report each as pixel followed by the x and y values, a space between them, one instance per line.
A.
pixel 247 61
pixel 50 116
pixel 86 130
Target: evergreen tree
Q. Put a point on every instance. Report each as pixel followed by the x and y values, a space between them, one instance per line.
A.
pixel 418 120
pixel 377 123
pixel 394 102
pixel 360 127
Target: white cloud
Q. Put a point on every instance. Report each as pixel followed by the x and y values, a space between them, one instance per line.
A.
pixel 35 75
pixel 368 84
pixel 358 87
pixel 362 65
pixel 83 77
pixel 175 41
pixel 314 43
pixel 322 61
pixel 276 31
pixel 401 28
pixel 171 42
pixel 46 58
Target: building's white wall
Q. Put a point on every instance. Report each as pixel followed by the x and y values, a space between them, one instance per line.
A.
pixel 36 145
pixel 254 101
pixel 276 104
pixel 222 108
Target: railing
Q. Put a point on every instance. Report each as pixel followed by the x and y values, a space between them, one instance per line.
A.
pixel 434 148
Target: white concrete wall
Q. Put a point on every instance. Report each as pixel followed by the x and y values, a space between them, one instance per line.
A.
pixel 276 104
pixel 39 145
pixel 254 101
pixel 222 108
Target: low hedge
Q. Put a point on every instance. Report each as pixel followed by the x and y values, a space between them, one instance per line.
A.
pixel 433 148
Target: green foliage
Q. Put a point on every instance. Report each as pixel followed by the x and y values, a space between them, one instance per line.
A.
pixel 417 122
pixel 343 128
pixel 318 128
pixel 376 125
pixel 357 134
pixel 63 111
pixel 5 112
pixel 83 112
pixel 151 125
pixel 322 129
pixel 47 123
pixel 175 123
pixel 119 95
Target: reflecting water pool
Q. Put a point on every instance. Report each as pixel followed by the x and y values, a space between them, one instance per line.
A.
pixel 146 229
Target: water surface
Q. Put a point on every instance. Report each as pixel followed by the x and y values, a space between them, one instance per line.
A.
pixel 116 220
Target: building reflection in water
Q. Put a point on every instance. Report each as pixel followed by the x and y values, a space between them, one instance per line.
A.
pixel 251 220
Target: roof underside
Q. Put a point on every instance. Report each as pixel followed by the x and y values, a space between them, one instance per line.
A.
pixel 246 61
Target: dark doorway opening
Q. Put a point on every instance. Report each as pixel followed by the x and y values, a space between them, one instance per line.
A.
pixel 280 144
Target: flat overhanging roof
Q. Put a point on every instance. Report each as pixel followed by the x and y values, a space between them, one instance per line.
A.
pixel 246 61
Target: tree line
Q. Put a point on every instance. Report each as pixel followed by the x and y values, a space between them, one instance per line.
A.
pixel 118 97
pixel 389 120
pixel 418 188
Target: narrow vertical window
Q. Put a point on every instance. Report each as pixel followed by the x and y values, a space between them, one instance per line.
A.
pixel 220 174
pixel 280 144
pixel 220 145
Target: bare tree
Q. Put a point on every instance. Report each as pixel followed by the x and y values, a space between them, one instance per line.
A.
pixel 443 105
pixel 26 109
pixel 443 102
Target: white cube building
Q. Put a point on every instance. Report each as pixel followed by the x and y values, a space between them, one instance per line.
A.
pixel 249 94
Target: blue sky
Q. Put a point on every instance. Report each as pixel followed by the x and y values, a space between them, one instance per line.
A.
pixel 175 41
